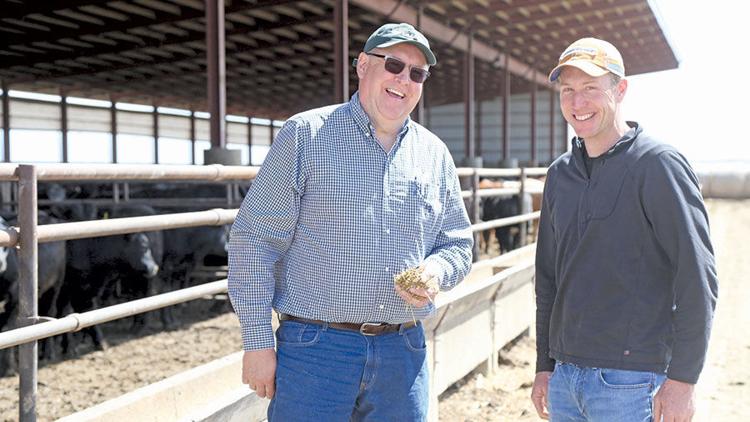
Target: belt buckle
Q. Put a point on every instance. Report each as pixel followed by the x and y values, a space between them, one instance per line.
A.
pixel 369 324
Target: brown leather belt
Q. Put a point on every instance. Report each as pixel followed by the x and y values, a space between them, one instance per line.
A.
pixel 365 328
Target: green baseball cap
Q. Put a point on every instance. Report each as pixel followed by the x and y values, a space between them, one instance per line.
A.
pixel 397 33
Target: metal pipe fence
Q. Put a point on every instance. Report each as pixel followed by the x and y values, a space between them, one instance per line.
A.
pixel 76 322
pixel 29 234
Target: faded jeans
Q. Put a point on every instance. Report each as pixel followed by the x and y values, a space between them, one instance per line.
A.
pixel 583 394
pixel 330 375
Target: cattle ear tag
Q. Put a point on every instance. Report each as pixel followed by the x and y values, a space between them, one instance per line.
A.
pixel 106 215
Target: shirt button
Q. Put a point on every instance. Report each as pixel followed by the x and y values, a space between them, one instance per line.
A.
pixel 387 269
pixel 387 231
pixel 381 306
pixel 626 353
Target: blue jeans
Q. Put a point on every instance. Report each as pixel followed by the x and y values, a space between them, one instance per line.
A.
pixel 329 375
pixel 578 393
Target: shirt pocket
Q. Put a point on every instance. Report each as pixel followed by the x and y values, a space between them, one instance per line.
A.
pixel 416 203
pixel 428 194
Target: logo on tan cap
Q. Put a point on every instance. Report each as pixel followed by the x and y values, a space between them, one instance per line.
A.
pixel 594 56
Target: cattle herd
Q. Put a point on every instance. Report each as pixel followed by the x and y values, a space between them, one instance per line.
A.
pixel 85 274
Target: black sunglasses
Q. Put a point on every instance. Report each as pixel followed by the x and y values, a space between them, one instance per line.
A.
pixel 396 66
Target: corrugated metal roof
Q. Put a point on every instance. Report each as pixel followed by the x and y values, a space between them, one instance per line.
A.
pixel 279 53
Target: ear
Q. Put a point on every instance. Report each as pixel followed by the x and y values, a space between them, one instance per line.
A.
pixel 622 88
pixel 362 61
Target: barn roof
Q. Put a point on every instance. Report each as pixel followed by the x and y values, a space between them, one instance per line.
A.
pixel 279 53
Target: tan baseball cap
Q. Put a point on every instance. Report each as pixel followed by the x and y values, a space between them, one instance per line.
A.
pixel 594 56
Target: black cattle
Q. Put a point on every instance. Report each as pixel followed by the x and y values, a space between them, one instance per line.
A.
pixel 105 266
pixel 186 249
pixel 50 276
pixel 493 208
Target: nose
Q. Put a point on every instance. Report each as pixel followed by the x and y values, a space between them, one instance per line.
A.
pixel 579 99
pixel 403 76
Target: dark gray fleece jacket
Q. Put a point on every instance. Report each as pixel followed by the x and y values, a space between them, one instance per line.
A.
pixel 625 272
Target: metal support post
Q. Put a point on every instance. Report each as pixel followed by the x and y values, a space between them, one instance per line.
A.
pixel 469 110
pixel 156 135
pixel 27 289
pixel 522 206
pixel 341 51
pixel 215 57
pixel 6 123
pixel 249 141
pixel 506 111
pixel 192 137
pixel 478 126
pixel 475 210
pixel 64 126
pixel 113 130
pixel 533 124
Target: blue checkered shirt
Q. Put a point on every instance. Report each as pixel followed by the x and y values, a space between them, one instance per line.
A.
pixel 331 218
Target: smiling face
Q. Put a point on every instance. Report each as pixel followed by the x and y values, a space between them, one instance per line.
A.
pixel 591 104
pixel 387 98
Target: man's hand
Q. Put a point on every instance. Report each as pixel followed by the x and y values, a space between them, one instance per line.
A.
pixel 419 297
pixel 674 402
pixel 539 393
pixel 259 371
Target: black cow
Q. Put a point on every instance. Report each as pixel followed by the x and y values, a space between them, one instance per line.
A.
pixel 102 265
pixel 186 249
pixel 508 237
pixel 51 273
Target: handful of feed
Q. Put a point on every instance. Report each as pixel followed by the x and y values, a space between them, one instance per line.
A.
pixel 410 278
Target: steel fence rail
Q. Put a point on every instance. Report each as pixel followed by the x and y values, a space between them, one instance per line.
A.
pixel 8 172
pixel 75 322
pixel 9 237
pixel 500 172
pixel 502 222
pixel 95 172
pixel 490 192
pixel 213 172
pixel 536 171
pixel 497 192
pixel 114 226
pixel 109 227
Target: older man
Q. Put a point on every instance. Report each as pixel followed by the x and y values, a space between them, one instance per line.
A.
pixel 349 196
pixel 625 277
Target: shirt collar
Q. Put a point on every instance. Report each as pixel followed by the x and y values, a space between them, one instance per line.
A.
pixel 626 139
pixel 362 120
pixel 622 144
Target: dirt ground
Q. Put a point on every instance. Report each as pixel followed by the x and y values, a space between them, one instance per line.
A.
pixel 206 334
pixel 96 376
pixel 723 392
